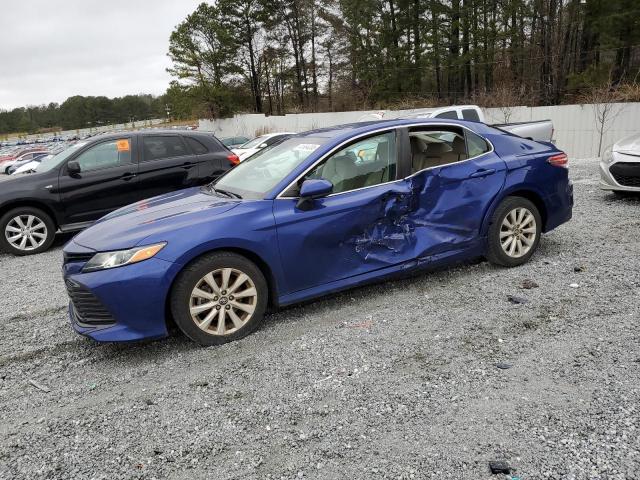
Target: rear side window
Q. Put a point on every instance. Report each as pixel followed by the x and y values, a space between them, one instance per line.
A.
pixel 156 148
pixel 470 114
pixel 451 114
pixel 105 155
pixel 476 145
pixel 197 147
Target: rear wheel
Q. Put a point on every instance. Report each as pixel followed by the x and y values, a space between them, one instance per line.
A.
pixel 26 231
pixel 514 233
pixel 219 298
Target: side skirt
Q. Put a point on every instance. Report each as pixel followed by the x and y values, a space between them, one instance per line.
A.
pixel 424 263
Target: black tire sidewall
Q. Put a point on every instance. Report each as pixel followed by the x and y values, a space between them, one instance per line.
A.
pixel 495 252
pixel 36 212
pixel 185 282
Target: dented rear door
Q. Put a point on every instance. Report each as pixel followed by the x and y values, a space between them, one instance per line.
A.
pixel 451 202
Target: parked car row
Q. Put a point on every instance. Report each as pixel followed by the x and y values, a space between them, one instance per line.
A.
pixel 383 197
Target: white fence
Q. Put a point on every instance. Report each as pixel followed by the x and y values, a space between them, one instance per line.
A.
pixel 576 126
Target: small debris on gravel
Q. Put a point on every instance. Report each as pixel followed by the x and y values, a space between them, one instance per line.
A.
pixel 504 366
pixel 499 467
pixel 574 285
pixel 528 284
pixel 517 300
pixel 578 268
pixel 39 386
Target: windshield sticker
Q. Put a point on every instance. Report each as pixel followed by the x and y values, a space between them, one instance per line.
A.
pixel 306 147
pixel 123 145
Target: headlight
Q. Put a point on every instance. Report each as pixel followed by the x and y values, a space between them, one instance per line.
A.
pixel 106 260
pixel 608 154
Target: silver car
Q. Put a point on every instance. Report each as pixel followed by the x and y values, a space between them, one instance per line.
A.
pixel 620 169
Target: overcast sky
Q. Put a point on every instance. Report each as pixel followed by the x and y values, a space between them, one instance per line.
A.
pixel 51 50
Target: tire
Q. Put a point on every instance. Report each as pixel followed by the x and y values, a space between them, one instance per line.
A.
pixel 507 246
pixel 212 303
pixel 38 239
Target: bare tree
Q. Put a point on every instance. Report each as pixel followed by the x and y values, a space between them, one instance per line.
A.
pixel 605 109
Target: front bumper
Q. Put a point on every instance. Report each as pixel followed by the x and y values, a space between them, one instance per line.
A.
pixel 607 180
pixel 131 300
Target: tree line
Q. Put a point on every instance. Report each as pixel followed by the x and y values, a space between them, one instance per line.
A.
pixel 287 56
pixel 82 112
pixel 277 56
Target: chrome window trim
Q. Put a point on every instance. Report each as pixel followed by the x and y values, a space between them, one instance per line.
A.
pixel 373 133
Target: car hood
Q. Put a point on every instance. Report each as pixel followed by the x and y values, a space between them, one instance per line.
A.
pixel 629 145
pixel 130 225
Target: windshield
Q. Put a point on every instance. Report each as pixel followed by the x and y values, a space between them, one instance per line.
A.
pixel 255 142
pixel 49 163
pixel 259 174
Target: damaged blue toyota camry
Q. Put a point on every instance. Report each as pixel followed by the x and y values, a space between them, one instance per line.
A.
pixel 319 212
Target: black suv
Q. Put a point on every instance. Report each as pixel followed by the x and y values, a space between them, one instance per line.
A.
pixel 94 177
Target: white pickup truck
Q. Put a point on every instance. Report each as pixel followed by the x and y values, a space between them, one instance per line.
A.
pixel 541 130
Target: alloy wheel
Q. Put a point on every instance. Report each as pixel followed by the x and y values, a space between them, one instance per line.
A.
pixel 223 301
pixel 26 232
pixel 518 232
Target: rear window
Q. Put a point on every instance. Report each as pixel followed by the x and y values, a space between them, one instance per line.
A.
pixel 450 114
pixel 197 146
pixel 159 147
pixel 470 114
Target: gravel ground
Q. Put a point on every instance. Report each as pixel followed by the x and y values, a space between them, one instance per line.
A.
pixel 397 380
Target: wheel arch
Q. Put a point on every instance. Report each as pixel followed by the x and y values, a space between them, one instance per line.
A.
pixel 524 192
pixel 30 204
pixel 264 267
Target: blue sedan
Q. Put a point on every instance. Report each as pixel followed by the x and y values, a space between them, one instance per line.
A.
pixel 320 212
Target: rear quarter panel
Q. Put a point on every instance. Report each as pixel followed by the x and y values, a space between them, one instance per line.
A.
pixel 528 171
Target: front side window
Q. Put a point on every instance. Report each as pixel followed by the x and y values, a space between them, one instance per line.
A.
pixel 112 153
pixel 362 164
pixel 156 148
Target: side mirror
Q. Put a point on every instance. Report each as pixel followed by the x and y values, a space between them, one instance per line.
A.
pixel 312 189
pixel 73 167
pixel 262 145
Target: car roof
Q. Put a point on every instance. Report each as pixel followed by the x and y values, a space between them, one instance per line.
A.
pixel 154 131
pixel 354 129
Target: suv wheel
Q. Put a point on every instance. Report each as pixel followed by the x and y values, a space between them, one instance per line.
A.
pixel 219 298
pixel 514 233
pixel 26 231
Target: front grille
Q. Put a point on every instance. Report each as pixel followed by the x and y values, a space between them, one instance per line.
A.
pixel 88 309
pixel 76 257
pixel 626 174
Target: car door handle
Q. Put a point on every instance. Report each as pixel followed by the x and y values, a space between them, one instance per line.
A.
pixel 127 176
pixel 483 173
pixel 188 165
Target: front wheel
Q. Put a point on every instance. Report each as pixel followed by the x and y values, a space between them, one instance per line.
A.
pixel 26 231
pixel 219 298
pixel 514 233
